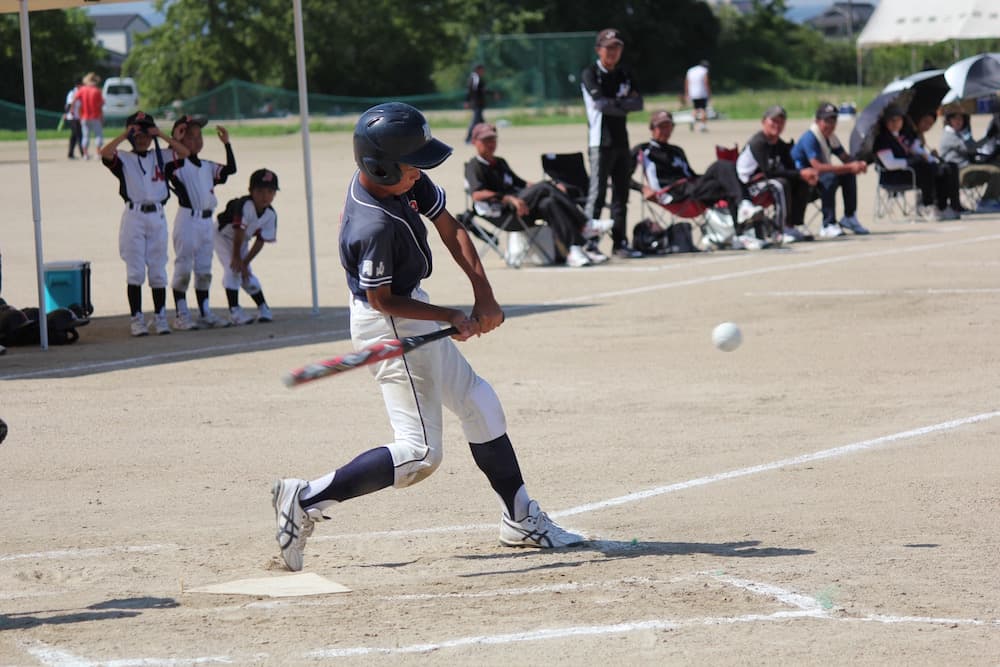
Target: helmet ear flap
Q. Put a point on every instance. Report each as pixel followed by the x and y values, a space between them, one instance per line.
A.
pixel 385 173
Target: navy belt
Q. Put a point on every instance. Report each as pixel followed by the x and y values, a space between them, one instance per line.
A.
pixel 206 213
pixel 145 208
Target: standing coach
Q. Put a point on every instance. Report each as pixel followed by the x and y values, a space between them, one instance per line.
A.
pixel 609 93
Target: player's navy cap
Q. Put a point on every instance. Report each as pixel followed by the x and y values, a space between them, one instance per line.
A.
pixel 826 110
pixel 188 119
pixel 483 131
pixel 776 111
pixel 659 118
pixel 609 36
pixel 140 118
pixel 264 178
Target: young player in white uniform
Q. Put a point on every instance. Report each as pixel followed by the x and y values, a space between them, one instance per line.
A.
pixel 246 217
pixel 194 181
pixel 142 236
pixel 385 253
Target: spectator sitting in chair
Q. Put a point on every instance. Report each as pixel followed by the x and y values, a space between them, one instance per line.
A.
pixel 816 148
pixel 766 163
pixel 896 153
pixel 666 164
pixel 959 148
pixel 492 181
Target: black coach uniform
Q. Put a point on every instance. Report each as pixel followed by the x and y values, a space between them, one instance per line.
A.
pixel 608 97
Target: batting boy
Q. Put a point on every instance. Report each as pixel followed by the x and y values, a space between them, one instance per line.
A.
pixel 194 181
pixel 142 236
pixel 385 253
pixel 246 217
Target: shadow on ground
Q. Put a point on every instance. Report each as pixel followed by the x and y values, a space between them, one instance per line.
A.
pixel 105 344
pixel 102 611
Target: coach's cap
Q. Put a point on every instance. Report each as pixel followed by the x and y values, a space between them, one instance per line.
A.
pixel 483 131
pixel 659 118
pixel 609 36
pixel 188 119
pixel 826 111
pixel 140 118
pixel 264 178
pixel 776 111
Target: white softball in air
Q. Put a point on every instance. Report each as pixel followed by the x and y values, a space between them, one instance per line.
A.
pixel 727 336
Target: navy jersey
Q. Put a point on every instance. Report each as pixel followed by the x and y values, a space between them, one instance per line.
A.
pixel 384 241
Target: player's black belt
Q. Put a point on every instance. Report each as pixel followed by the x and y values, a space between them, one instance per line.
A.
pixel 145 208
pixel 206 213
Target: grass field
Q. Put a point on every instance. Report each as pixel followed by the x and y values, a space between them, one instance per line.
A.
pixel 743 105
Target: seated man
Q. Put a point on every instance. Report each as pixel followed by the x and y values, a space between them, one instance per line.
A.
pixel 492 182
pixel 816 149
pixel 666 164
pixel 766 163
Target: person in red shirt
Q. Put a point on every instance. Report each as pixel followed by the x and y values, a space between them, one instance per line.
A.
pixel 91 113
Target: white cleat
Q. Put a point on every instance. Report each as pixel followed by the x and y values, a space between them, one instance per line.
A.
pixel 576 258
pixel 536 530
pixel 138 325
pixel 831 231
pixel 184 322
pixel 264 313
pixel 238 317
pixel 212 321
pixel 160 323
pixel 294 524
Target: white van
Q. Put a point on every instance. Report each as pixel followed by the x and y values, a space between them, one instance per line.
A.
pixel 121 96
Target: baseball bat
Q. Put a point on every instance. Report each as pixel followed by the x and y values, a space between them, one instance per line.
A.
pixel 372 354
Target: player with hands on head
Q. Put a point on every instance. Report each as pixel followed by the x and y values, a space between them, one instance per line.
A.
pixel 385 253
pixel 246 217
pixel 194 181
pixel 142 235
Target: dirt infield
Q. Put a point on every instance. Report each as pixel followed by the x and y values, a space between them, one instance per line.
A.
pixel 827 493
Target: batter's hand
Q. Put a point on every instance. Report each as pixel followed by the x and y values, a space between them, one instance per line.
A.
pixel 223 134
pixel 467 326
pixel 488 314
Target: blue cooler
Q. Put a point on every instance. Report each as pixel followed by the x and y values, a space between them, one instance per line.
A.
pixel 67 283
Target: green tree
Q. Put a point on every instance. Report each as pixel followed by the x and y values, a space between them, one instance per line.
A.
pixel 62 51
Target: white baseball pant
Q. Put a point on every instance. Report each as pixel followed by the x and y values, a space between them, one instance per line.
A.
pixel 415 387
pixel 193 238
pixel 142 244
pixel 231 279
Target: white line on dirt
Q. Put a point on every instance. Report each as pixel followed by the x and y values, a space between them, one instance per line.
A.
pixel 872 292
pixel 703 481
pixel 89 553
pixel 284 340
pixel 792 599
pixel 51 656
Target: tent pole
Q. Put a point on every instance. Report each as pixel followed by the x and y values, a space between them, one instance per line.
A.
pixel 36 214
pixel 300 62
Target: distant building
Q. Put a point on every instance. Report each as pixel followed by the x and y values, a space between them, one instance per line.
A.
pixel 117 34
pixel 842 19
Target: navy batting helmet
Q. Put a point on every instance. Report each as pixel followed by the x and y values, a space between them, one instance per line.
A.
pixel 391 134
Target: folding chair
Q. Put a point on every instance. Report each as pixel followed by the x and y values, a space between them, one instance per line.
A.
pixel 892 199
pixel 685 211
pixel 501 230
pixel 973 182
pixel 765 225
pixel 570 171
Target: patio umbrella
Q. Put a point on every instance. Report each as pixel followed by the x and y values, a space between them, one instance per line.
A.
pixel 978 76
pixel 929 87
pixel 866 125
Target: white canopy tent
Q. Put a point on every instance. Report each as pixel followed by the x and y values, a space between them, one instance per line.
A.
pixel 24 7
pixel 930 21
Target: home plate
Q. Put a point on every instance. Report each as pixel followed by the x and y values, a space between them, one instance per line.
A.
pixel 294 585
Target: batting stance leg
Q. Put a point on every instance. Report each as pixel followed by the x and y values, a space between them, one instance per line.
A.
pixel 414 388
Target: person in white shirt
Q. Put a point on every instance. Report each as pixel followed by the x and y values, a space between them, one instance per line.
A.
pixel 697 90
